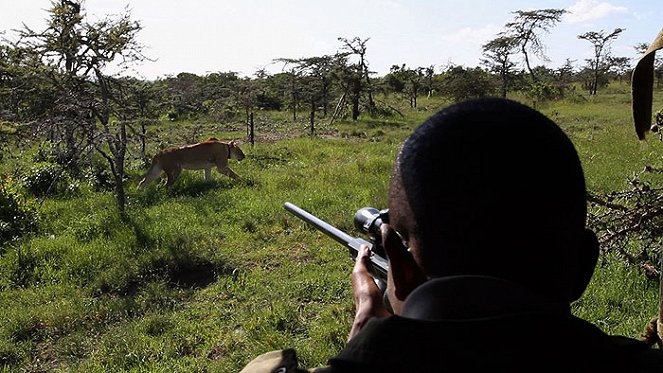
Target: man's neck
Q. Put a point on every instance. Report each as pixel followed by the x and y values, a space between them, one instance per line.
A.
pixel 474 297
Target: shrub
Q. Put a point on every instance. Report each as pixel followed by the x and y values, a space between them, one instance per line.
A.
pixel 542 91
pixel 99 177
pixel 17 216
pixel 46 178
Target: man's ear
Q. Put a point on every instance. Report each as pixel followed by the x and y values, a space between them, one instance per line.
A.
pixel 588 255
pixel 406 274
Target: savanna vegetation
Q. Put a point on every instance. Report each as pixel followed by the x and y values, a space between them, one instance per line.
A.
pixel 97 276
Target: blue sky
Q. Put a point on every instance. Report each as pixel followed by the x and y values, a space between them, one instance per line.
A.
pixel 203 36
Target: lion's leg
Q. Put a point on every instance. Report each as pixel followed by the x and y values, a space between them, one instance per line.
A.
pixel 227 171
pixel 208 174
pixel 151 175
pixel 172 176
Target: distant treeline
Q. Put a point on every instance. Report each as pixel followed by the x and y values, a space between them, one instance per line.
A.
pixel 55 84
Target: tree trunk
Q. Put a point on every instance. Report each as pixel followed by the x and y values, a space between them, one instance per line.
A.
pixel 143 135
pixel 252 130
pixel 529 68
pixel 325 98
pixel 312 117
pixel 120 196
pixel 415 93
pixel 121 150
pixel 294 99
pixel 356 93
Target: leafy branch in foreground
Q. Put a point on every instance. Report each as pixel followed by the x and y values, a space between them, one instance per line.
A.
pixel 630 216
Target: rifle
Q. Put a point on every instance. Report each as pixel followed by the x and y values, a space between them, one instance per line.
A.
pixel 368 220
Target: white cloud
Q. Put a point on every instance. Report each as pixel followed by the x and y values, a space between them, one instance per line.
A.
pixel 584 11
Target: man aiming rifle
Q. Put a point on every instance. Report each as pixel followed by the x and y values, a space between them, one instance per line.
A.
pixel 487 248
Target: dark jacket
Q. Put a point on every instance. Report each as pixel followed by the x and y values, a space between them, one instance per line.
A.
pixel 478 324
pixel 472 324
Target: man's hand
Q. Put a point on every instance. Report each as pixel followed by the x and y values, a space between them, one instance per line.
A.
pixel 367 296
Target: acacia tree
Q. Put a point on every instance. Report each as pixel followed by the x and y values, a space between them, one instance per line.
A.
pixel 320 70
pixel 349 78
pixel 137 105
pixel 295 71
pixel 357 47
pixel 497 53
pixel 75 55
pixel 409 81
pixel 524 31
pixel 429 74
pixel 461 83
pixel 600 63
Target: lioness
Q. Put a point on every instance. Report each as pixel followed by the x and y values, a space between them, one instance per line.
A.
pixel 203 155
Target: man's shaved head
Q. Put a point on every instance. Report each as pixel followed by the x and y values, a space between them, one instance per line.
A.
pixel 492 187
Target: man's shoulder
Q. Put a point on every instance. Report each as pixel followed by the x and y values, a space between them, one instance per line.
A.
pixel 639 356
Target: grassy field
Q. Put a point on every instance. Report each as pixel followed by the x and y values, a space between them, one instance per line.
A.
pixel 208 275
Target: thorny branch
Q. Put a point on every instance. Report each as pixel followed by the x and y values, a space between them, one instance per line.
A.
pixel 630 222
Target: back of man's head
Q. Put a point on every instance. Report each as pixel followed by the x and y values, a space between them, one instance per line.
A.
pixel 497 189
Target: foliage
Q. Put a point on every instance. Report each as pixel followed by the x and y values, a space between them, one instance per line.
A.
pixel 48 179
pixel 630 222
pixel 461 83
pixel 523 30
pixel 602 61
pixel 408 81
pixel 544 91
pixel 209 275
pixel 17 215
pixel 497 53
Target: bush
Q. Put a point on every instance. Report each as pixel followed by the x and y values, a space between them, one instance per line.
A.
pixel 17 216
pixel 545 91
pixel 99 177
pixel 461 84
pixel 46 178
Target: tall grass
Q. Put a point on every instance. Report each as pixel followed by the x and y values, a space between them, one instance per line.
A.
pixel 208 275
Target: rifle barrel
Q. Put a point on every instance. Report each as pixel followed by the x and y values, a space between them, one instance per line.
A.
pixel 326 228
pixel 379 264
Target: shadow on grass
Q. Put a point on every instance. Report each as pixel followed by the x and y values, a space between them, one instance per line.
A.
pixel 157 193
pixel 176 262
pixel 197 274
pixel 196 188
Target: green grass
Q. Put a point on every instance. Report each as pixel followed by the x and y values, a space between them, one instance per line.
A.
pixel 209 275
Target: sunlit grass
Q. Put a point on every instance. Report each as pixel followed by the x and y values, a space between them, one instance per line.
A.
pixel 208 275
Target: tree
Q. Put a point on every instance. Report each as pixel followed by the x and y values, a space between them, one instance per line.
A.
pixel 185 96
pixel 429 73
pixel 619 67
pixel 523 30
pixel 460 83
pixel 599 65
pixel 566 72
pixel 25 96
pixel 74 56
pixel 357 47
pixel 138 105
pixel 497 53
pixel 296 69
pixel 349 78
pixel 267 97
pixel 320 70
pixel 407 80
